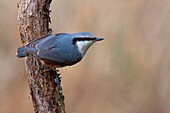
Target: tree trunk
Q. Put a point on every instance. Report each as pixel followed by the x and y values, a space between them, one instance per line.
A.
pixel 44 82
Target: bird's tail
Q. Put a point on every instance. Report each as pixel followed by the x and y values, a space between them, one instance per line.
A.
pixel 25 51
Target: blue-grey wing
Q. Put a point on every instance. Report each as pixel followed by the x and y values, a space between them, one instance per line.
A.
pixel 46 42
pixel 48 48
pixel 52 55
pixel 49 42
pixel 36 41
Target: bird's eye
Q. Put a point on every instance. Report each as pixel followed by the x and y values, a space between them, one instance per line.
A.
pixel 86 38
pixel 94 38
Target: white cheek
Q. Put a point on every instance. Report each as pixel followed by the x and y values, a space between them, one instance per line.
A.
pixel 83 46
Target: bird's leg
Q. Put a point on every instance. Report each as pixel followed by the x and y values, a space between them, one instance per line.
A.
pixel 50 31
pixel 57 79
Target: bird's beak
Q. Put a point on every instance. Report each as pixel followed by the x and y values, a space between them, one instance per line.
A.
pixel 99 39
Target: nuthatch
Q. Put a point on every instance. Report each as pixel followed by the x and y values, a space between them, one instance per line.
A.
pixel 59 50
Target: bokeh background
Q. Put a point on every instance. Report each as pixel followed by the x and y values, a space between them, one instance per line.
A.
pixel 129 72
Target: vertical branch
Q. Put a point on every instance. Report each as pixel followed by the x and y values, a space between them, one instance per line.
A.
pixel 44 82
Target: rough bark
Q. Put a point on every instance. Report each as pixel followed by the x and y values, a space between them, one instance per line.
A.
pixel 44 82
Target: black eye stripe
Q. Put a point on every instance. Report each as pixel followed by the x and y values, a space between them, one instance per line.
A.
pixel 83 39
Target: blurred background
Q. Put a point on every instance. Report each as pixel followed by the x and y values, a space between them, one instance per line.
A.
pixel 128 72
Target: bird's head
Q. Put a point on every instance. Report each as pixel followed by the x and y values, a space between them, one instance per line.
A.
pixel 83 40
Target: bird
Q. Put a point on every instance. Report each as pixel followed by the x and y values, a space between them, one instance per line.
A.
pixel 59 50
